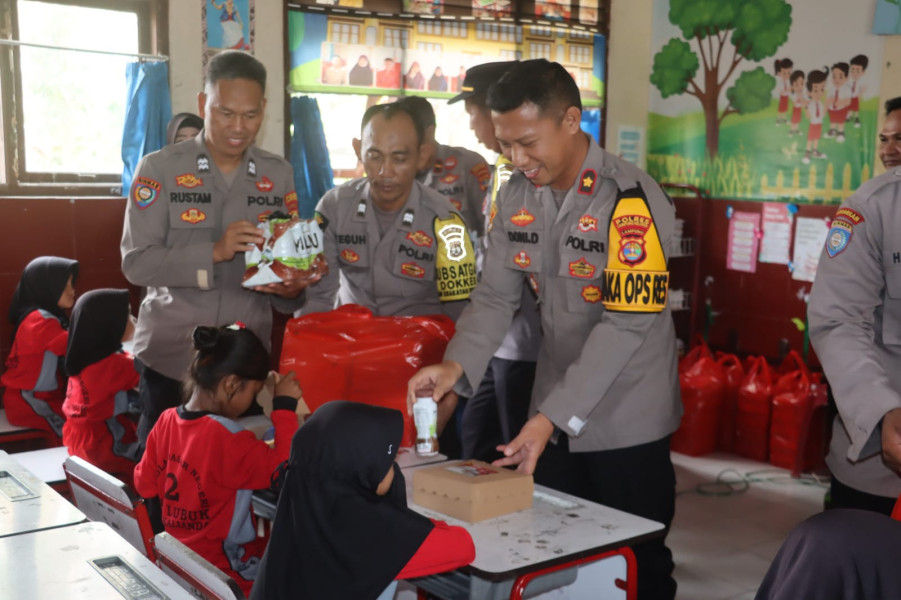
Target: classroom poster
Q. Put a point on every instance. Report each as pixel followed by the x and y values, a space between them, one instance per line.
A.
pixel 777 233
pixel 810 237
pixel 492 8
pixel 741 250
pixel 227 25
pixel 553 9
pixel 787 114
pixel 424 7
pixel 887 19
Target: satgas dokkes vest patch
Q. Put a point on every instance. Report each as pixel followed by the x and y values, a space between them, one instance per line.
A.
pixel 455 265
pixel 636 278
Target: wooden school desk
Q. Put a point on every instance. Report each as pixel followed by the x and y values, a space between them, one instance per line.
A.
pixel 28 504
pixel 86 561
pixel 559 532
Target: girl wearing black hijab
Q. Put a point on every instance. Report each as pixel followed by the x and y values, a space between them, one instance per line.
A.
pixel 342 528
pixel 35 387
pixel 183 126
pixel 98 428
pixel 361 73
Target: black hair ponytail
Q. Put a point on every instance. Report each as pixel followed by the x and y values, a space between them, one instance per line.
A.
pixel 224 351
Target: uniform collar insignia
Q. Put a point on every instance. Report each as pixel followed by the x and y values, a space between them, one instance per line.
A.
pixel 203 163
pixel 586 181
pixel 252 168
pixel 408 217
pixel 361 208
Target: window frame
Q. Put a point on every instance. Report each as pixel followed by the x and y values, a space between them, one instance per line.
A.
pixel 152 18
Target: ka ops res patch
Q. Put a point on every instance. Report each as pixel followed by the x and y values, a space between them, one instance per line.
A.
pixel 636 278
pixel 455 265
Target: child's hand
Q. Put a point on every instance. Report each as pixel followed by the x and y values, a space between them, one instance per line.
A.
pixel 286 385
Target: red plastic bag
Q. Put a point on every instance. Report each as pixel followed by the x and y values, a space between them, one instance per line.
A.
pixel 733 373
pixel 702 382
pixel 349 354
pixel 752 421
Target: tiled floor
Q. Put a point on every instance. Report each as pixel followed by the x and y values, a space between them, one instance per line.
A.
pixel 723 544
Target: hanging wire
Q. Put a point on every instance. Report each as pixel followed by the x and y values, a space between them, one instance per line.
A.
pixel 150 57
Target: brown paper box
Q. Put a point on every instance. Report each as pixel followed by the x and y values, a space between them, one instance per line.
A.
pixel 472 490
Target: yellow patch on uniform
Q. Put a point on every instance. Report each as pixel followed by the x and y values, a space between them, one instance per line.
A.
pixel 455 266
pixel 522 259
pixel 522 218
pixel 188 180
pixel 582 268
pixel 851 215
pixel 193 216
pixel 591 293
pixel 411 269
pixel 636 278
pixel 350 256
pixel 420 238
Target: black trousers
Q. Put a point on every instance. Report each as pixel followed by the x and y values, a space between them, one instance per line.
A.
pixel 843 496
pixel 639 480
pixel 499 408
pixel 157 393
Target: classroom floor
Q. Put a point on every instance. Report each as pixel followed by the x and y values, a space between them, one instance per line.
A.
pixel 723 544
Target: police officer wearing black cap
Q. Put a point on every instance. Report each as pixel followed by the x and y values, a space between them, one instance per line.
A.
pixel 500 406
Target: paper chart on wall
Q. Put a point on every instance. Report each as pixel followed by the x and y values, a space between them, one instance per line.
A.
pixel 741 254
pixel 810 236
pixel 777 233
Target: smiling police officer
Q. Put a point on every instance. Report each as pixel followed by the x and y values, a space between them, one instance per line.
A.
pixel 192 213
pixel 595 232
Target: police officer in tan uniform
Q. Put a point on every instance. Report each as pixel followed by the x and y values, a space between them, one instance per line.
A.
pixel 192 212
pixel 855 327
pixel 392 244
pixel 458 174
pixel 589 233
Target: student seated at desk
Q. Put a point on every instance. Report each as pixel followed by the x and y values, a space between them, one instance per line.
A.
pixel 342 527
pixel 35 387
pixel 204 466
pixel 98 428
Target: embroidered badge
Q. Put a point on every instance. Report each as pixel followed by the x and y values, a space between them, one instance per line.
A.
pixel 265 184
pixel 411 269
pixel 449 178
pixel 450 163
pixel 838 238
pixel 586 181
pixel 145 191
pixel 483 174
pixel 591 293
pixel 522 259
pixel 251 168
pixel 203 164
pixel 349 255
pixel 188 180
pixel 491 214
pixel 587 223
pixel 420 238
pixel 453 236
pixel 632 229
pixel 291 202
pixel 533 283
pixel 321 220
pixel 408 217
pixel 522 218
pixel 437 167
pixel 582 268
pixel 361 208
pixel 849 215
pixel 193 216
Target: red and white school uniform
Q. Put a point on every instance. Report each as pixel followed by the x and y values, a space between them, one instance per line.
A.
pixel 35 388
pixel 784 94
pixel 855 96
pixel 97 427
pixel 204 468
pixel 838 116
pixel 797 108
pixel 815 113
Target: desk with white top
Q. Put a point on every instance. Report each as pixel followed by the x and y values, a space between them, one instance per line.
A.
pixel 86 561
pixel 28 504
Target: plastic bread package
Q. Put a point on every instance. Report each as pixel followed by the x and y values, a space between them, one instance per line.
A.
pixel 291 249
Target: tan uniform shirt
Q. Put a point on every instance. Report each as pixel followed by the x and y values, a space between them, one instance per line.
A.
pixel 178 208
pixel 394 274
pixel 461 176
pixel 855 327
pixel 606 379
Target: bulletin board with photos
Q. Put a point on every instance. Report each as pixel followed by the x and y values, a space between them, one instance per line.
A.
pixel 351 60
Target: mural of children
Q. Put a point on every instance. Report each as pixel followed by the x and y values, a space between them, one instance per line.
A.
pixel 783 68
pixel 799 100
pixel 335 72
pixel 361 73
pixel 858 65
pixel 438 82
pixel 816 110
pixel 414 79
pixel 839 101
pixel 232 25
pixel 457 82
pixel 389 76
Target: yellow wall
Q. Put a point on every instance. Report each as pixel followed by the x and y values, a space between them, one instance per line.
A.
pixel 186 64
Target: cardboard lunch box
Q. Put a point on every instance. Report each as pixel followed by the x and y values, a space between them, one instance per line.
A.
pixel 472 490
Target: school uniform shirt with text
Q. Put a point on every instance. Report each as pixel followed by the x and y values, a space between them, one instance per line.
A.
pixel 204 468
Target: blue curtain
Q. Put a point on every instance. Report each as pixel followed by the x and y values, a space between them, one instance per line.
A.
pixel 148 111
pixel 313 175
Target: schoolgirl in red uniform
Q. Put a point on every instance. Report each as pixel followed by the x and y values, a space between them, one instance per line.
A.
pixel 102 378
pixel 204 466
pixel 35 387
pixel 343 510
